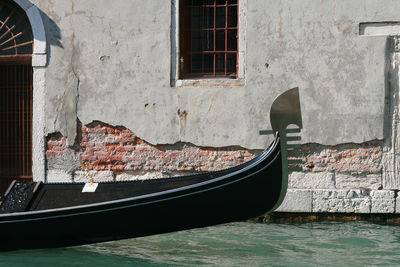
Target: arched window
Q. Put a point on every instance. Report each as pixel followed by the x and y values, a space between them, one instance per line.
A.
pixel 16 47
pixel 16 37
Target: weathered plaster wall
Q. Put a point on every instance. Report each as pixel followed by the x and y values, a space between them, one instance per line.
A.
pixel 316 45
pixel 107 62
pixel 111 61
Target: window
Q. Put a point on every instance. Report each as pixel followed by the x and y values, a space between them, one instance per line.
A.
pixel 16 94
pixel 15 31
pixel 208 38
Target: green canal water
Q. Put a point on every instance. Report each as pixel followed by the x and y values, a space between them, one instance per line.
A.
pixel 236 244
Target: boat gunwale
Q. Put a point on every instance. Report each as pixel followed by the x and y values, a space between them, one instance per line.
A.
pixel 80 208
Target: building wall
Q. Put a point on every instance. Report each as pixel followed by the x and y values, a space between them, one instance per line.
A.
pixel 109 69
pixel 108 58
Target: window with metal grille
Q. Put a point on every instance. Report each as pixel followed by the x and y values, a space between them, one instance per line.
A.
pixel 16 45
pixel 15 120
pixel 15 31
pixel 208 38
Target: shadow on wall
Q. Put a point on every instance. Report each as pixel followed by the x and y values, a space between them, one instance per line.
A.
pixel 388 109
pixel 53 34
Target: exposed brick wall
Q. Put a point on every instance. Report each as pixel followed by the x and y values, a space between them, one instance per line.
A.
pixel 117 152
pixel 105 147
pixel 362 158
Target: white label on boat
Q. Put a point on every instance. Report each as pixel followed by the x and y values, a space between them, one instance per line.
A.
pixel 90 188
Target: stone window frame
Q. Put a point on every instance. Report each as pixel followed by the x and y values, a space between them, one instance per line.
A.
pixel 39 63
pixel 215 81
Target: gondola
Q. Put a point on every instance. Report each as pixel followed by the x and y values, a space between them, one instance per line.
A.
pixel 48 215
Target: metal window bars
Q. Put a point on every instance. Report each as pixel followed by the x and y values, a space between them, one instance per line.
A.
pixel 16 121
pixel 209 38
pixel 15 31
pixel 16 47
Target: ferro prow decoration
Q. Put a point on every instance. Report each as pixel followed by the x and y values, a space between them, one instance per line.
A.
pixel 43 215
pixel 285 111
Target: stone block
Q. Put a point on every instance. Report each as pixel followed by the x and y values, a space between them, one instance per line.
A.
pixel 59 176
pixel 312 180
pixel 98 176
pixel 341 200
pixel 39 60
pixel 37 29
pixel 389 180
pixel 296 200
pixel 382 201
pixel 397 204
pixel 349 181
pixel 66 161
pixel 390 169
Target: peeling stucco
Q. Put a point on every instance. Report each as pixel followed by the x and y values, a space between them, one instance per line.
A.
pixel 66 116
pixel 116 56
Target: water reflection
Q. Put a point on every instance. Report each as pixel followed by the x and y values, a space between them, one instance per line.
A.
pixel 237 244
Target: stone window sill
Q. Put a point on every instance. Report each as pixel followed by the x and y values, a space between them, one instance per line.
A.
pixel 214 82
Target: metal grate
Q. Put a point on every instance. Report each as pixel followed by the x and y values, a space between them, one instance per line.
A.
pixel 15 30
pixel 16 46
pixel 209 38
pixel 16 120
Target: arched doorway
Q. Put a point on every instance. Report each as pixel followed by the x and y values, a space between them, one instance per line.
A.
pixel 16 48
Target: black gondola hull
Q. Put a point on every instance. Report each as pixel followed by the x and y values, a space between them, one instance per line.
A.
pixel 58 215
pixel 236 196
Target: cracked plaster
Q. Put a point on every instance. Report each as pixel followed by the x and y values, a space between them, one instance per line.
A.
pixel 125 63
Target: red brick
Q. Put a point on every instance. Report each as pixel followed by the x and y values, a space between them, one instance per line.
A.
pixel 140 155
pixel 140 141
pixel 116 157
pixel 100 154
pixel 118 167
pixel 87 158
pixel 110 131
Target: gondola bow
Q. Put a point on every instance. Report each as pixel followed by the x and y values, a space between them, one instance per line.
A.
pixel 43 215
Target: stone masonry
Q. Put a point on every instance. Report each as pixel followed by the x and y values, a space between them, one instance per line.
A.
pixel 343 178
pixel 353 178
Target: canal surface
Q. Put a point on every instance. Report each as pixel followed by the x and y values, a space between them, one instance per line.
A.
pixel 236 244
